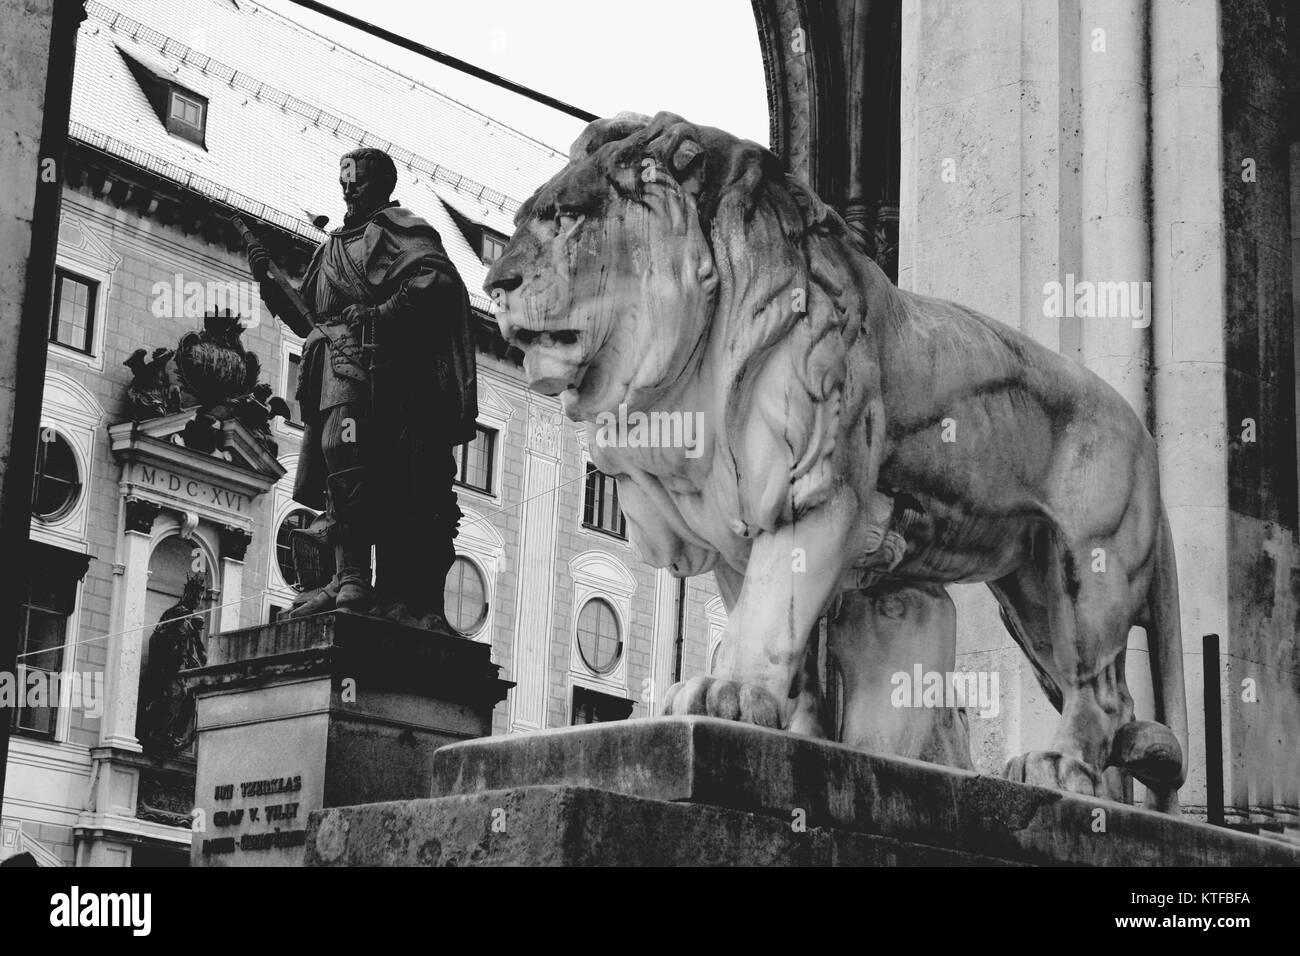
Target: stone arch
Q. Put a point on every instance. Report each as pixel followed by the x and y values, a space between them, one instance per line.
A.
pixel 833 93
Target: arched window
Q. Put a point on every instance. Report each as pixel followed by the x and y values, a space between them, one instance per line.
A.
pixel 58 482
pixel 294 520
pixel 465 596
pixel 599 641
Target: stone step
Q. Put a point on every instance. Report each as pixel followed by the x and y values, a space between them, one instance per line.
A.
pixel 821 802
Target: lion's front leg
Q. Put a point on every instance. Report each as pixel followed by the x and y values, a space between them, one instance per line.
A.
pixel 791 576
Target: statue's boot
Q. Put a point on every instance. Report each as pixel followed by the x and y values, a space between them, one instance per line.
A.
pixel 313 558
pixel 315 601
pixel 353 530
pixel 355 593
pixel 412 572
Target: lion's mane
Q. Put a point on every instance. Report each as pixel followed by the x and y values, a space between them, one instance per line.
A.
pixel 796 288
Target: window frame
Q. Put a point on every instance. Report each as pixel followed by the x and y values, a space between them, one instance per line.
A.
pixel 85 254
pixel 597 507
pixel 293 359
pixel 54 562
pixel 589 701
pixel 486 610
pixel 177 125
pixel 620 648
pixel 461 454
pixel 92 306
pixel 497 240
pixel 290 345
pixel 275 544
pixel 22 670
pixel 77 486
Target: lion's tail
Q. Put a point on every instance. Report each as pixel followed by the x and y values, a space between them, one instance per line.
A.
pixel 1148 748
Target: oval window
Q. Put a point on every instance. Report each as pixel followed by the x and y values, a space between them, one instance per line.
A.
pixel 58 483
pixel 599 641
pixel 465 596
pixel 298 518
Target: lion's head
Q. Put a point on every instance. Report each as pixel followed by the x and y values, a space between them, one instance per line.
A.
pixel 657 234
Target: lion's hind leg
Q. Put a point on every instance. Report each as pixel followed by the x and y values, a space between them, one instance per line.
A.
pixel 1072 620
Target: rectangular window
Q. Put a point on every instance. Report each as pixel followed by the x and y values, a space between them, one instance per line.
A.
pixel 592 707
pixel 600 508
pixel 187 111
pixel 291 387
pixel 186 115
pixel 43 629
pixel 73 321
pixel 493 246
pixel 474 461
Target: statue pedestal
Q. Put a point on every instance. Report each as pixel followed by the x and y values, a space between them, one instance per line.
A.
pixel 699 791
pixel 329 710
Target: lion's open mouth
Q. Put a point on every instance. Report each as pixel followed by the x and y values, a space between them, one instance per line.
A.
pixel 526 337
pixel 553 361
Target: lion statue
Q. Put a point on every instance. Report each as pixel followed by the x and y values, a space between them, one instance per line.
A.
pixel 859 447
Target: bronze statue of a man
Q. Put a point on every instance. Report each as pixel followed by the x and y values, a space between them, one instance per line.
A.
pixel 386 391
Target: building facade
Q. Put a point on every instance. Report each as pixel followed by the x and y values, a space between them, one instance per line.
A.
pixel 176 127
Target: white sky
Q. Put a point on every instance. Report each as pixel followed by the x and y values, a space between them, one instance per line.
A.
pixel 697 58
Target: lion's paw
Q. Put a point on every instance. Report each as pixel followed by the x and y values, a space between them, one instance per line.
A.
pixel 728 699
pixel 1057 771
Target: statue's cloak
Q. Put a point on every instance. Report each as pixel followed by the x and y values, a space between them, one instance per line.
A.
pixel 424 383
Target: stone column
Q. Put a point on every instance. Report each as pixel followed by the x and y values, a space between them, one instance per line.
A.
pixel 665 636
pixel 234 544
pixel 1187 331
pixel 534 605
pixel 1114 226
pixel 1115 232
pixel 989 199
pixel 127 635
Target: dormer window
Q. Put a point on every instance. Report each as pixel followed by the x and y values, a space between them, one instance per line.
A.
pixel 186 115
pixel 182 112
pixel 491 247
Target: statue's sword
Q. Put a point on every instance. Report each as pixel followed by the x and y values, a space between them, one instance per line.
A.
pixel 304 319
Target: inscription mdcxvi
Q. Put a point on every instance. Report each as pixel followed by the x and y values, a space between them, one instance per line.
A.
pixel 203 492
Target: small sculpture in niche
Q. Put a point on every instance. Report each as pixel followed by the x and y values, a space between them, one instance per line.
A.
pixel 166 707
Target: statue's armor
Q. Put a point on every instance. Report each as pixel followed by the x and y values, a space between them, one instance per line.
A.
pixel 327 371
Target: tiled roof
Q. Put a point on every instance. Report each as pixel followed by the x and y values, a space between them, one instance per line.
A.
pixel 283 104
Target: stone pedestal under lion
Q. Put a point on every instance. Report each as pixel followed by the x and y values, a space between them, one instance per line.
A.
pixel 851 441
